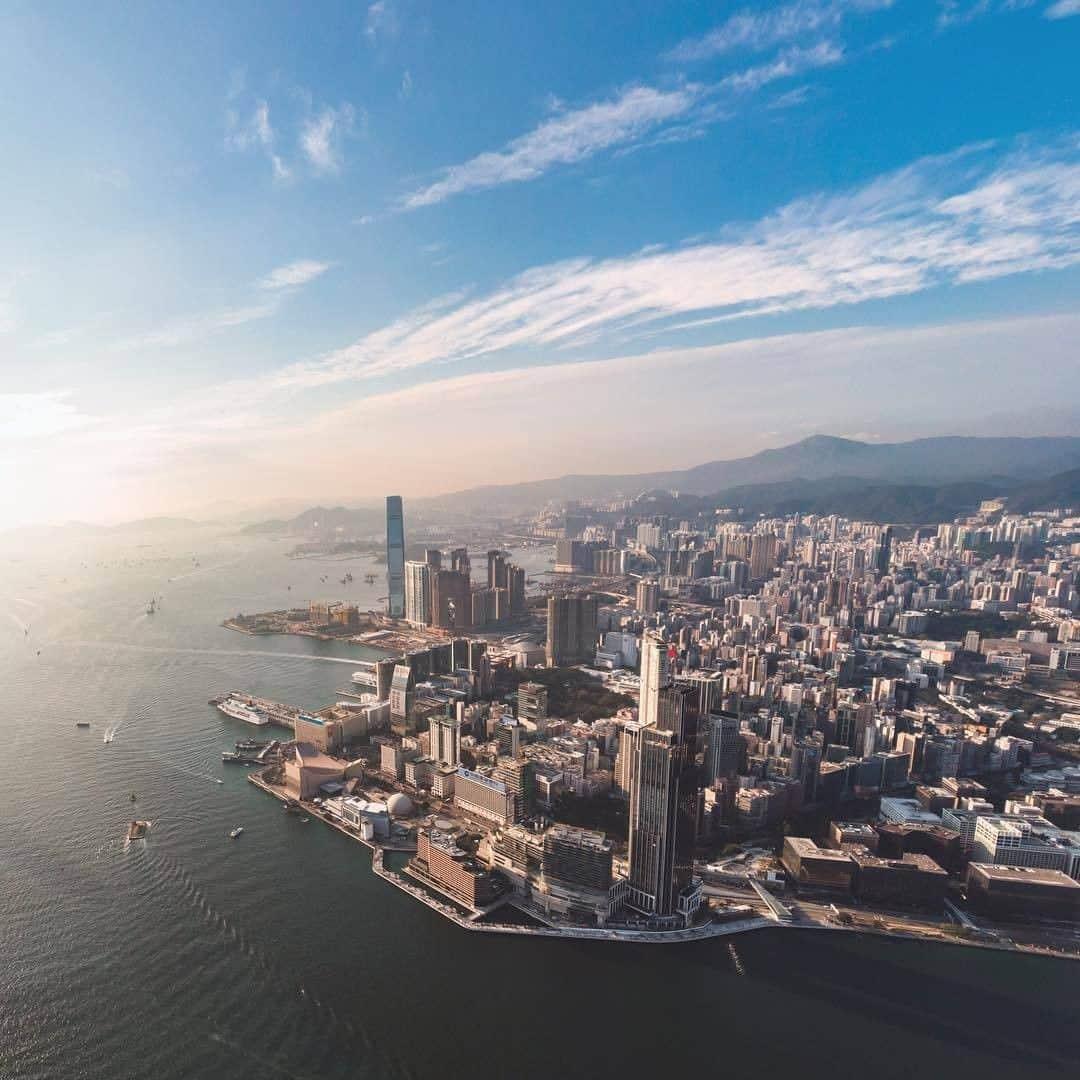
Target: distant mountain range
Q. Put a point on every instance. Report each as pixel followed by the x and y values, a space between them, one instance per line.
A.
pixel 923 481
pixel 948 459
pixel 327 523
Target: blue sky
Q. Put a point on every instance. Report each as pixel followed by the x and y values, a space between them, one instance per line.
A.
pixel 252 251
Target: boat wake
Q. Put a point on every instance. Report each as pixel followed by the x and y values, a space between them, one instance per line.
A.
pixel 198 775
pixel 125 646
pixel 170 874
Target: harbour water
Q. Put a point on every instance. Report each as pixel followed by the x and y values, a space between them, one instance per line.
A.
pixel 279 953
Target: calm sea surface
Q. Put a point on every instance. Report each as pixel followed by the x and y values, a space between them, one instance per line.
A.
pixel 280 955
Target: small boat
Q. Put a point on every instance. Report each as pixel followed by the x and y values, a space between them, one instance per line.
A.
pixel 151 607
pixel 236 832
pixel 133 796
pixel 82 723
pixel 229 758
pixel 137 830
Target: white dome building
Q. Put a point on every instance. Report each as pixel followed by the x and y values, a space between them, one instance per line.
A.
pixel 400 805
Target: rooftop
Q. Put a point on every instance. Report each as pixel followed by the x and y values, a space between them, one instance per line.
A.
pixel 805 848
pixel 1033 874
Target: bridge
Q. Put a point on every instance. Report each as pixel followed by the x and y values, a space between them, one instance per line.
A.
pixel 777 912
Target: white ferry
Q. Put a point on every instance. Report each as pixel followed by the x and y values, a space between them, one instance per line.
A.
pixel 366 676
pixel 239 711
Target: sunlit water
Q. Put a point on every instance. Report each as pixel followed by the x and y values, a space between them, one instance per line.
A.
pixel 280 954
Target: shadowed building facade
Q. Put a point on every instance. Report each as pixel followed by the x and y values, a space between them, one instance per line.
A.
pixel 395 557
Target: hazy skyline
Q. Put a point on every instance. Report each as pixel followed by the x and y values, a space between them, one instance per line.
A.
pixel 269 252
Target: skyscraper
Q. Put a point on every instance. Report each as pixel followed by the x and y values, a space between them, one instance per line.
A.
pixel 648 597
pixel 883 552
pixel 451 600
pixel 762 555
pixel 655 675
pixel 723 749
pixel 459 562
pixel 516 586
pixel 445 734
pixel 664 782
pixel 395 557
pixel 571 629
pixel 496 570
pixel 418 593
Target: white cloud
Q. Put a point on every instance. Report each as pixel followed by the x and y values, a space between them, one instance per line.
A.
pixel 959 12
pixel 321 137
pixel 561 140
pixel 255 133
pixel 792 98
pixel 757 30
pixel 940 222
pixel 294 274
pixel 789 63
pixel 381 22
pixel 196 327
pixel 1063 9
pixel 38 416
pixel 831 382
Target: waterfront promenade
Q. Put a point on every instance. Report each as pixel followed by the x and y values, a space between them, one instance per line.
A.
pixel 804 916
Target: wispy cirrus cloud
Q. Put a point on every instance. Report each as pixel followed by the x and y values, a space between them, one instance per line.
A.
pixel 958 12
pixel 322 136
pixel 275 287
pixel 294 274
pixel 255 132
pixel 192 328
pixel 755 31
pixel 1063 9
pixel 788 64
pixel 381 22
pixel 563 139
pixel 984 212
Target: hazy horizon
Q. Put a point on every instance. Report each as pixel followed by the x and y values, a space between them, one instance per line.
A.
pixel 399 247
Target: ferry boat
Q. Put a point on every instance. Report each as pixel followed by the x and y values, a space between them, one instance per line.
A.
pixel 366 676
pixel 239 711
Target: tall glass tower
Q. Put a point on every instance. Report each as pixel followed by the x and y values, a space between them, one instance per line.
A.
pixel 395 557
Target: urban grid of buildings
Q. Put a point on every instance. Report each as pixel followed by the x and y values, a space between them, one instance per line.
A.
pixel 784 717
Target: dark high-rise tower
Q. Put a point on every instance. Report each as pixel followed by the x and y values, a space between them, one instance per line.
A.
pixel 497 570
pixel 883 554
pixel 664 784
pixel 395 557
pixel 451 600
pixel 571 629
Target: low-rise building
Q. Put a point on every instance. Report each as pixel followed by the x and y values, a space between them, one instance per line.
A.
pixel 1022 892
pixel 819 868
pixel 852 832
pixel 440 863
pixel 910 881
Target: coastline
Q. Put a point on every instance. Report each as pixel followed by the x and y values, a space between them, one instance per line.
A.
pixel 649 937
